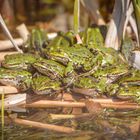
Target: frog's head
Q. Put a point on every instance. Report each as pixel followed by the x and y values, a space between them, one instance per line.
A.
pixel 60 56
pixel 20 79
pixel 37 41
pixel 50 68
pixel 18 60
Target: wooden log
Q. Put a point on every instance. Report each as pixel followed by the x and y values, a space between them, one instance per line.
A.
pixel 14 100
pixel 23 32
pixel 6 44
pixel 8 89
pixel 69 116
pixel 48 103
pixel 52 127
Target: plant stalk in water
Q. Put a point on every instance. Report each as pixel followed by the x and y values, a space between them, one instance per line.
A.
pixel 136 4
pixel 2 115
pixel 76 16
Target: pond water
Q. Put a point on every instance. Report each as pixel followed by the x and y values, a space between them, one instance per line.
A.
pixel 110 125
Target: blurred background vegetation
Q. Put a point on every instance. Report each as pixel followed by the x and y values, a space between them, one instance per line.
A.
pixel 52 15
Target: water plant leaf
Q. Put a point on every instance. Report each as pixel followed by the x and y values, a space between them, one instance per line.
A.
pixel 76 16
pixel 136 4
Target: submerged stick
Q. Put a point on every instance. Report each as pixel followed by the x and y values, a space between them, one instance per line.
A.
pixel 56 128
pixel 2 110
pixel 69 116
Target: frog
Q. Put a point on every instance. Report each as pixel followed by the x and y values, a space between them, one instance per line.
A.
pixel 99 87
pixel 132 79
pixel 20 79
pixel 36 42
pixel 76 57
pixel 131 92
pixel 19 61
pixel 62 40
pixel 92 37
pixel 50 68
pixel 113 73
pixel 127 48
pixel 94 41
pixel 43 85
pixel 85 82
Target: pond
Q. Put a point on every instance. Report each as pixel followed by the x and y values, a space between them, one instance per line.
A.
pixel 109 125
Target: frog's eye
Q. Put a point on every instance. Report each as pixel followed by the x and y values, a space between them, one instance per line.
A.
pixel 44 45
pixel 91 49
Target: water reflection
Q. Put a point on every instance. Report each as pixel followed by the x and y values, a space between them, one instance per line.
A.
pixel 112 124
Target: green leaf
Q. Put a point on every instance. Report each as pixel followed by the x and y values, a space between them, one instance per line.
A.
pixel 76 16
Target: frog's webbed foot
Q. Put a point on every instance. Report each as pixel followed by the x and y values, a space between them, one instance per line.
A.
pixel 68 81
pixel 69 69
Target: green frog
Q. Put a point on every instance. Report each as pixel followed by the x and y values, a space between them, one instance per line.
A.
pixel 132 79
pixel 131 91
pixel 62 40
pixel 20 79
pixel 127 48
pixel 50 68
pixel 19 61
pixel 112 73
pixel 94 41
pixel 76 57
pixel 36 42
pixel 85 82
pixel 100 87
pixel 92 37
pixel 45 85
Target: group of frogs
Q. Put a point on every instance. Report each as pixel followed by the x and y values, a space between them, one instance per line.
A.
pixel 51 66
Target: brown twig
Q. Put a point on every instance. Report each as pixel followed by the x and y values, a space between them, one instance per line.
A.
pixel 69 116
pixel 48 103
pixel 56 128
